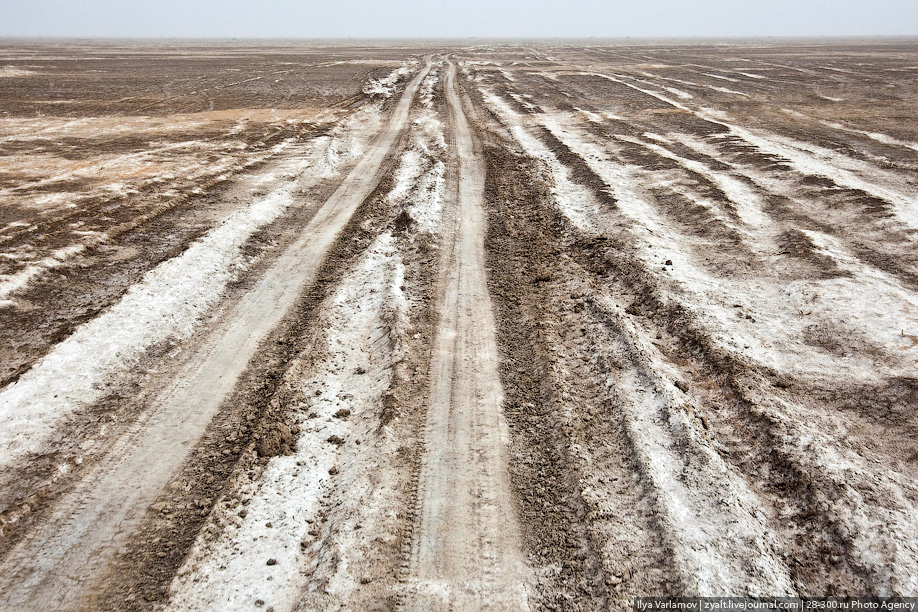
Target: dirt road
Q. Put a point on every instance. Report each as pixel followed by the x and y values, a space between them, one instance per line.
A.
pixel 466 552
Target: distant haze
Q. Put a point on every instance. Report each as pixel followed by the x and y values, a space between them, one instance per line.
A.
pixel 463 18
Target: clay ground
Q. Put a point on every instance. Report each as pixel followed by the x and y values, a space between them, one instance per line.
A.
pixel 411 326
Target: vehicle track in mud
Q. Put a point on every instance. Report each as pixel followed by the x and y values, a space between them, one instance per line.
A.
pixel 465 554
pixel 601 322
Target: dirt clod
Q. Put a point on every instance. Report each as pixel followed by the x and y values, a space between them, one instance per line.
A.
pixel 277 439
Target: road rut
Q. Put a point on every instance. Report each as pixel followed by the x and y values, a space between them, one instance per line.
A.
pixel 466 551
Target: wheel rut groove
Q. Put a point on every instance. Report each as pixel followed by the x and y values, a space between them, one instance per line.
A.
pixel 465 552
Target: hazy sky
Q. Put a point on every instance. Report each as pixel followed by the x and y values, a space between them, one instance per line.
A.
pixel 416 18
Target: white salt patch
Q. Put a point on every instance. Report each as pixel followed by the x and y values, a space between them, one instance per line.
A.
pixel 385 87
pixel 720 537
pixel 653 94
pixel 678 92
pixel 590 115
pixel 427 199
pixel 420 178
pixel 718 76
pixel 14 282
pixel 711 516
pixel 879 137
pixel 748 203
pixel 167 303
pixel 694 524
pixel 12 71
pixel 348 140
pixel 426 90
pixel 526 103
pixel 231 573
pixel 870 300
pixel 729 91
pixel 774 338
pixel 814 160
pixel 874 506
pixel 574 200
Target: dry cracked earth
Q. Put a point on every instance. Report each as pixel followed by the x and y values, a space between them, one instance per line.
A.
pixel 295 327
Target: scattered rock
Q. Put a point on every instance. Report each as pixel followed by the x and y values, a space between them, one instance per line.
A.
pixel 403 222
pixel 275 440
pixel 272 561
pixel 342 414
pixel 333 470
pixel 336 440
pixel 543 275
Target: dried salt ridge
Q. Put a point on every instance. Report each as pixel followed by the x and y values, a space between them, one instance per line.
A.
pixel 385 87
pixel 166 172
pixel 169 304
pixel 673 455
pixel 348 372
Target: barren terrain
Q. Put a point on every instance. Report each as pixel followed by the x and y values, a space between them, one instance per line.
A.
pixel 481 326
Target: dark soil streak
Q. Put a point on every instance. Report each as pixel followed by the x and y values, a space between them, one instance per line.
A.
pixel 545 481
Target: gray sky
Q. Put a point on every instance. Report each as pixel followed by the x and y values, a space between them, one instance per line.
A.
pixel 417 18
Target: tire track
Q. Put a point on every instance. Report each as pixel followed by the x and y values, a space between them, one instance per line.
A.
pixel 466 550
pixel 762 187
pixel 807 159
pixel 57 566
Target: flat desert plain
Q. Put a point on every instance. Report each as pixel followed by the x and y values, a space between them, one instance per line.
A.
pixel 456 326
